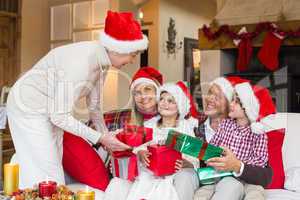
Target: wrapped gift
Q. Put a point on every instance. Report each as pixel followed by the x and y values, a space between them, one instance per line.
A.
pixel 192 146
pixel 135 135
pixel 124 165
pixel 117 119
pixel 208 175
pixel 162 159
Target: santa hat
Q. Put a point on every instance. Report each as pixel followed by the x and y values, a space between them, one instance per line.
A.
pixel 227 85
pixel 258 105
pixel 147 75
pixel 122 33
pixel 183 98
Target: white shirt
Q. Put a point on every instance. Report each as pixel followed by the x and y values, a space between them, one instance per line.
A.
pixel 60 79
pixel 209 132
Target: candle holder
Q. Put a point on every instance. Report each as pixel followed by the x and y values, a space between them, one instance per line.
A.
pixel 47 189
pixel 85 195
pixel 11 178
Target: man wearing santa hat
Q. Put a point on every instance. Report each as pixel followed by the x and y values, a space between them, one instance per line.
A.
pixel 41 102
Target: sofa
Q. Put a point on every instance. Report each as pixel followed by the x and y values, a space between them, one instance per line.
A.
pixel 291 157
pixel 290 153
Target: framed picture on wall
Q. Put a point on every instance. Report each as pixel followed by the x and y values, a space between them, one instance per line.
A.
pixel 192 68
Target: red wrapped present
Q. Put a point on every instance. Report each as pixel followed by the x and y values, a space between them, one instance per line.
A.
pixel 124 165
pixel 116 119
pixel 162 159
pixel 135 135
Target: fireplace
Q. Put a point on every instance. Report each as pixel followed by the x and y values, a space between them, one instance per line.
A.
pixel 284 83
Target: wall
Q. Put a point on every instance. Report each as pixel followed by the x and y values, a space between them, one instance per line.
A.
pixel 189 16
pixel 151 15
pixel 35 27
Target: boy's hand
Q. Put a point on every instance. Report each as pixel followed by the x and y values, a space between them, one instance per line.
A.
pixel 228 162
pixel 144 157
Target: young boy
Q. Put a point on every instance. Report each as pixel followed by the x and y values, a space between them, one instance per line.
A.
pixel 243 133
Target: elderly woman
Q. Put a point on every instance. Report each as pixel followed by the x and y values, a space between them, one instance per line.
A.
pixel 216 107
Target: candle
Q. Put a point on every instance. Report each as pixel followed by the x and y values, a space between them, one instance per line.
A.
pixel 47 188
pixel 11 178
pixel 85 194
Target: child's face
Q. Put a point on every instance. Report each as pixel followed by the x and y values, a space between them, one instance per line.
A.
pixel 167 106
pixel 145 98
pixel 236 111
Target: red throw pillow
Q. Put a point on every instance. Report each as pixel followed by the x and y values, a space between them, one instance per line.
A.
pixel 275 142
pixel 82 162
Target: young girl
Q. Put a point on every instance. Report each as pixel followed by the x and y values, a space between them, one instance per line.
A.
pixel 173 106
pixel 245 137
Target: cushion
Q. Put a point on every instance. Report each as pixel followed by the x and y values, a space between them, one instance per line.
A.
pixel 292 181
pixel 82 162
pixel 275 142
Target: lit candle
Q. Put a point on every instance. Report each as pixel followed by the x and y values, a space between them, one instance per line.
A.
pixel 47 188
pixel 11 178
pixel 85 194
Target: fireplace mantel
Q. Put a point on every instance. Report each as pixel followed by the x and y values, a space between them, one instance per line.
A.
pixel 224 42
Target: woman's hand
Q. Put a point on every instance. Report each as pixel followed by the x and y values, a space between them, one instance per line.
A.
pixel 228 162
pixel 179 164
pixel 144 157
pixel 112 143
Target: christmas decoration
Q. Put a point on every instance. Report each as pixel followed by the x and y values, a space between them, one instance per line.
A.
pixel 11 178
pixel 268 54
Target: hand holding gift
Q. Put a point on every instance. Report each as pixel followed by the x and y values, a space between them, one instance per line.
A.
pixel 124 163
pixel 144 156
pixel 228 162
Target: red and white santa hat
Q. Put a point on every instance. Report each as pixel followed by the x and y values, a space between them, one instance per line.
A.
pixel 258 105
pixel 147 75
pixel 122 33
pixel 183 98
pixel 227 84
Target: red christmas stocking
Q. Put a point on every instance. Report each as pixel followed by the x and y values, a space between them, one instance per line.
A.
pixel 268 54
pixel 245 53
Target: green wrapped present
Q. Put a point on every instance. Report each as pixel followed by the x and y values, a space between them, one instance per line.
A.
pixel 192 146
pixel 208 175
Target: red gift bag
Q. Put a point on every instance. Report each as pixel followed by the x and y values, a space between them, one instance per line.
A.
pixel 124 165
pixel 162 159
pixel 135 135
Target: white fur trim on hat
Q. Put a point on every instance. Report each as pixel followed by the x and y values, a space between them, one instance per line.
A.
pixel 265 124
pixel 249 100
pixel 182 101
pixel 123 47
pixel 145 81
pixel 225 86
